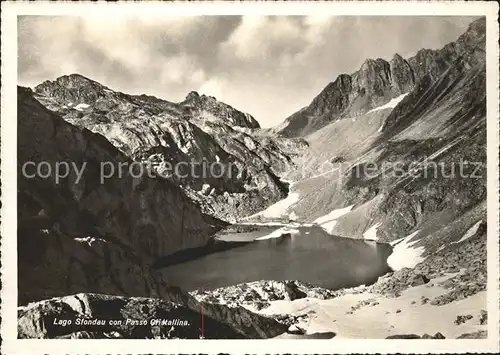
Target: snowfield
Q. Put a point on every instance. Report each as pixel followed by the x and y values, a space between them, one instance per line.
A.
pixel 280 208
pixel 404 255
pixel 385 316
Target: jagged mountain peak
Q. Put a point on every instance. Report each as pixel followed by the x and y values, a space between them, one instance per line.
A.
pixel 370 64
pixel 149 129
pixel 75 89
pixel 72 88
pixel 76 76
pixel 205 104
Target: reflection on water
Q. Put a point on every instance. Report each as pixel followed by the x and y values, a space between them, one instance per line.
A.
pixel 321 259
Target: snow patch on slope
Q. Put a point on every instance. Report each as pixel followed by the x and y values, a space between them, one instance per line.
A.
pixel 391 104
pixel 81 107
pixel 279 232
pixel 371 233
pixel 470 233
pixel 328 221
pixel 404 254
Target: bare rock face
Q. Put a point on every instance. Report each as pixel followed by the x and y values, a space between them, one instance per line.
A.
pixel 104 206
pixel 379 81
pixel 195 143
pixel 258 294
pixel 428 153
pixel 88 315
pixel 480 334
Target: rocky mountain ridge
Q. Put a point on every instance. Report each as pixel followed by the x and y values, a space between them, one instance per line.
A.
pixel 192 135
pixel 97 240
pixel 378 81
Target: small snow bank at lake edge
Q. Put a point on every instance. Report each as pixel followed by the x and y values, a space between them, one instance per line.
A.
pixel 404 254
pixel 371 233
pixel 328 221
pixel 279 209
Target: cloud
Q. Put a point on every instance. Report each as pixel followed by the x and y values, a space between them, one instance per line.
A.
pixel 282 36
pixel 268 66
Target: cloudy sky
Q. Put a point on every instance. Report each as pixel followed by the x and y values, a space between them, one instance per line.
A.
pixel 267 66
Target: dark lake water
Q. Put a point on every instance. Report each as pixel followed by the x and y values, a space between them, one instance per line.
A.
pixel 312 256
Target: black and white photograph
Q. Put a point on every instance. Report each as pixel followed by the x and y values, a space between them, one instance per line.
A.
pixel 315 175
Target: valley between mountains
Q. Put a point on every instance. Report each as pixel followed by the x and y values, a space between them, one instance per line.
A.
pixel 363 215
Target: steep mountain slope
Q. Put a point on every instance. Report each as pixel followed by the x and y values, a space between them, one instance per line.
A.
pixel 379 81
pixel 220 164
pixel 409 171
pixel 80 235
pixel 76 212
pixel 415 167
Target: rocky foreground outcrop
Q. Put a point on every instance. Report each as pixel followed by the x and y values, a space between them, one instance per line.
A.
pixel 258 294
pixel 88 315
pixel 467 259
